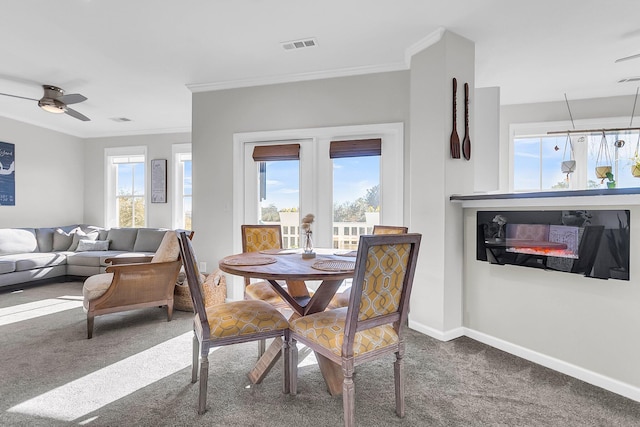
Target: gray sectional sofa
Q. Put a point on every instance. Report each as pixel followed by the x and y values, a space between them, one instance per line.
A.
pixel 30 254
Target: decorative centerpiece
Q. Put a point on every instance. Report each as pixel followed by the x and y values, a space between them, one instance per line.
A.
pixel 308 241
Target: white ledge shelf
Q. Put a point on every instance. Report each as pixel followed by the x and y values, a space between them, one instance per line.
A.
pixel 597 197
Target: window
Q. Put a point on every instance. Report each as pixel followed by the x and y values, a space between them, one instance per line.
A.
pixel 279 188
pixel 305 184
pixel 537 159
pixel 356 188
pixel 183 201
pixel 126 187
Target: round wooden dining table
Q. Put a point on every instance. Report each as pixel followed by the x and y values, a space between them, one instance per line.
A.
pixel 330 266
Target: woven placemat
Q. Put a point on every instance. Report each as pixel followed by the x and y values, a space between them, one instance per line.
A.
pixel 279 251
pixel 256 260
pixel 347 253
pixel 331 265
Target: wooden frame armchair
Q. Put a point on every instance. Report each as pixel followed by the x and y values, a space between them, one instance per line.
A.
pixel 134 285
pixel 372 325
pixel 226 324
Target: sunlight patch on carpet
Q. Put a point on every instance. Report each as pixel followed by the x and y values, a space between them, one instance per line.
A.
pixel 31 310
pixel 91 392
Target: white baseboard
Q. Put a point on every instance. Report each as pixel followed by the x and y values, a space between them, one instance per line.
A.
pixel 434 333
pixel 599 380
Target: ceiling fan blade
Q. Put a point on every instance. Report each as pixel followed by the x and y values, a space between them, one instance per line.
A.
pixel 73 113
pixel 626 58
pixel 16 96
pixel 72 98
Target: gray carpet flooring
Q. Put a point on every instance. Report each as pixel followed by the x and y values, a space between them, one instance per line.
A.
pixel 136 371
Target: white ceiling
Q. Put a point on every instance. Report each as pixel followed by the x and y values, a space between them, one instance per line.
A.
pixel 135 59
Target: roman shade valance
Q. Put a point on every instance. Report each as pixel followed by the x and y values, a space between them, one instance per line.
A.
pixel 355 148
pixel 267 153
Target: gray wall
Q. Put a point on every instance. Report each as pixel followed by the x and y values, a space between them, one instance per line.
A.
pixel 49 173
pixel 589 323
pixel 436 301
pixel 158 147
pixel 369 99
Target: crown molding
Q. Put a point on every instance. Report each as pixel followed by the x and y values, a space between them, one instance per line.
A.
pixel 420 45
pixel 298 77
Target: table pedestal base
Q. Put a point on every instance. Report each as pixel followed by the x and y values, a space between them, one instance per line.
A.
pixel 331 372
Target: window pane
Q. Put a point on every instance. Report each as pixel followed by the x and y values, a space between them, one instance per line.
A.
pixel 280 182
pixel 552 176
pixel 187 210
pixel 187 179
pixel 526 164
pixel 138 179
pixel 124 180
pixel 356 197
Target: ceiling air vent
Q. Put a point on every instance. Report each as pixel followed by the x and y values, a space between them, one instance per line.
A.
pixel 299 44
pixel 120 119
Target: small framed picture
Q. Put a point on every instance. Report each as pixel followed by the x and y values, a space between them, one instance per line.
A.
pixel 159 181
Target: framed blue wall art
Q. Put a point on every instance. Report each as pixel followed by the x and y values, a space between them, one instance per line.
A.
pixel 7 174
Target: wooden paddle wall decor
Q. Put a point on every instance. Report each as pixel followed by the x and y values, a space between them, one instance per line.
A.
pixel 454 141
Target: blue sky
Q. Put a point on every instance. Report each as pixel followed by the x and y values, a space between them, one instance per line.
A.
pixel 527 153
pixel 352 177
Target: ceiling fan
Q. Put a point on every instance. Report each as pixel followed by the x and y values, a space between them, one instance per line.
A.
pixel 55 101
pixel 627 58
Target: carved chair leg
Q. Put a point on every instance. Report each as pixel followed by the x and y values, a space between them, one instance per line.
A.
pixel 194 361
pixel 89 326
pixel 398 376
pixel 204 377
pixel 286 353
pixel 348 395
pixel 293 367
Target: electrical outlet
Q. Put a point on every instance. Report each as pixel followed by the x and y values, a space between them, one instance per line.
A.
pixel 202 266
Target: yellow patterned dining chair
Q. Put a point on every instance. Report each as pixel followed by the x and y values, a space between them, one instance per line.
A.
pixel 227 323
pixel 341 299
pixel 372 325
pixel 389 229
pixel 256 238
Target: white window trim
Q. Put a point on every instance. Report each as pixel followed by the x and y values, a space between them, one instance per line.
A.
pixel 109 177
pixel 176 210
pixel 391 175
pixel 520 130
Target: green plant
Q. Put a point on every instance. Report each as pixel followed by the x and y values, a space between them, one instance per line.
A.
pixel 611 183
pixel 610 177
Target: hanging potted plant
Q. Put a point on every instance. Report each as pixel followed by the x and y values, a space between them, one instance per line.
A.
pixel 635 160
pixel 603 161
pixel 568 166
pixel 611 183
pixel 635 166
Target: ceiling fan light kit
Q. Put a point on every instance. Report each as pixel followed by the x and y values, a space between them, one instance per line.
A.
pixel 52 105
pixel 55 101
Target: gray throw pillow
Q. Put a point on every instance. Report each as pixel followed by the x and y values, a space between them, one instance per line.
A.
pixel 92 245
pixel 148 240
pixel 81 235
pixel 62 240
pixel 122 239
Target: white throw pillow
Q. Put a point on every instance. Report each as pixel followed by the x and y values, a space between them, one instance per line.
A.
pixel 81 235
pixel 92 245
